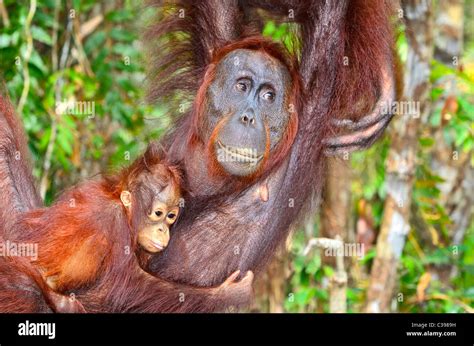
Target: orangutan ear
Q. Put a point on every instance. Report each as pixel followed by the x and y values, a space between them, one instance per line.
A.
pixel 126 198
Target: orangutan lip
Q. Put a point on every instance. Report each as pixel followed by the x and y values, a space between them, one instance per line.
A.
pixel 158 245
pixel 240 154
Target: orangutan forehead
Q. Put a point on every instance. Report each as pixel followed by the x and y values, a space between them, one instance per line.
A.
pixel 247 62
pixel 169 195
pixel 150 191
pixel 158 179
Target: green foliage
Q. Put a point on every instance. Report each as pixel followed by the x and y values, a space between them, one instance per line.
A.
pixel 103 69
pixel 305 292
pixel 459 130
pixel 429 248
pixel 283 33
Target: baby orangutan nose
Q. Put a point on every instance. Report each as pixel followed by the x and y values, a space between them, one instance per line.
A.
pixel 154 238
pixel 161 237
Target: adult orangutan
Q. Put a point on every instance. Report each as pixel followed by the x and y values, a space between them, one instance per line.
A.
pixel 272 114
pixel 253 144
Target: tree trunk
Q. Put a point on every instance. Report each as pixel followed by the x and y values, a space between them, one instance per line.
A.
pixel 336 205
pixel 270 288
pixel 335 224
pixel 401 161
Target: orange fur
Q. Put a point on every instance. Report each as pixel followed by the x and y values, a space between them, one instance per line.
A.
pixel 74 243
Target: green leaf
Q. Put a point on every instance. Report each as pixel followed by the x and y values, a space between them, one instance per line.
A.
pixel 94 41
pixel 302 297
pixel 118 16
pixel 299 263
pixel 467 106
pixel 426 142
pixel 439 70
pixel 43 143
pixel 41 35
pixel 313 265
pixel 368 256
pixel 328 271
pixel 38 62
pixel 123 35
pixel 269 28
pixel 7 40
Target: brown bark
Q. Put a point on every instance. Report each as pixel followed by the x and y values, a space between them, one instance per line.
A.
pixel 336 205
pixel 449 31
pixel 335 224
pixel 401 161
pixel 270 288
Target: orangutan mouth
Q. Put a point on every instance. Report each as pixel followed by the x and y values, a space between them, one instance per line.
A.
pixel 245 155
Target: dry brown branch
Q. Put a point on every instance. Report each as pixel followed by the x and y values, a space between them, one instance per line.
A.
pixel 4 14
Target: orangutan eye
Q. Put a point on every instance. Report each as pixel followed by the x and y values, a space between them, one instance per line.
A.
pixel 269 96
pixel 157 215
pixel 241 86
pixel 171 215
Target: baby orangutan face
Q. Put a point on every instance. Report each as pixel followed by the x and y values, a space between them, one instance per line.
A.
pixel 155 234
pixel 156 202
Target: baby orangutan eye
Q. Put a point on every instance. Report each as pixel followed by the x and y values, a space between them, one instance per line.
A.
pixel 172 217
pixel 156 215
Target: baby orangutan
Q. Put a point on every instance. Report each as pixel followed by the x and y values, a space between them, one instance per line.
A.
pixel 154 230
pixel 96 238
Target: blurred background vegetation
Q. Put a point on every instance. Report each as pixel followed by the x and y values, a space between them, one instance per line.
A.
pixel 55 51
